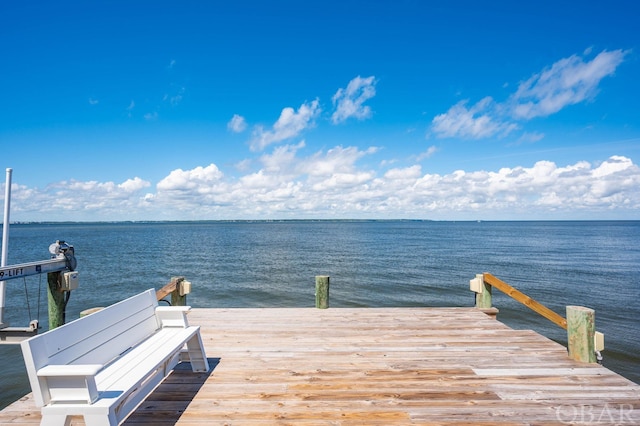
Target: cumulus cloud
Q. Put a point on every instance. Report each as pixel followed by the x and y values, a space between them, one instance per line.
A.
pixel 133 185
pixel 188 180
pixel 332 184
pixel 237 124
pixel 406 173
pixel 349 102
pixel 290 124
pixel 81 200
pixel 567 82
pixel 337 183
pixel 335 160
pixel 283 158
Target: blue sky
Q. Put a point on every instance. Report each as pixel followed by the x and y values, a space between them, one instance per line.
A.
pixel 335 109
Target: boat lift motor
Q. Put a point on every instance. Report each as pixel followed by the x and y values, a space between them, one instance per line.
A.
pixel 62 260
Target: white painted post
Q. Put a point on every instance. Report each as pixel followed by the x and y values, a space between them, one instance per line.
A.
pixel 5 242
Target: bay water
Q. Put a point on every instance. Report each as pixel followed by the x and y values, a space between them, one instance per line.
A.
pixel 371 264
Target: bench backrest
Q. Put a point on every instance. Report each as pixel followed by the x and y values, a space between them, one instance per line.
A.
pixel 98 338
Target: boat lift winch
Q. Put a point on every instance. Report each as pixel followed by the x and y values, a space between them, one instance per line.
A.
pixel 63 260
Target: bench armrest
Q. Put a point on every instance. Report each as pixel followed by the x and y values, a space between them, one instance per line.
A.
pixel 70 383
pixel 70 370
pixel 173 316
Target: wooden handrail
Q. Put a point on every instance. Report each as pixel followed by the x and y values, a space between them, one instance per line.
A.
pixel 525 300
pixel 169 288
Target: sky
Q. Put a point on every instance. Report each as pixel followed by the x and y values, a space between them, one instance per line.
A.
pixel 212 110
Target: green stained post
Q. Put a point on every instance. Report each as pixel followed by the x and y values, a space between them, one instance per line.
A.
pixel 57 304
pixel 580 332
pixel 322 291
pixel 483 300
pixel 177 299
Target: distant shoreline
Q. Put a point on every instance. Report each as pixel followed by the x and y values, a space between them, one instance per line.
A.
pixel 213 221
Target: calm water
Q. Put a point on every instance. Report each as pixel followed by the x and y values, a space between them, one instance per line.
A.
pixel 394 263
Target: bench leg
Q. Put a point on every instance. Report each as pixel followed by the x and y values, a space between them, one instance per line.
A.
pixel 197 356
pixel 89 420
pixel 55 420
pixel 100 420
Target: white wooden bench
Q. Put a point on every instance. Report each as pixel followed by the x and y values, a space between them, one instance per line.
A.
pixel 104 365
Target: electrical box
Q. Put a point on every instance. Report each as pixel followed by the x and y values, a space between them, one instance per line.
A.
pixel 476 285
pixel 185 288
pixel 70 281
pixel 598 341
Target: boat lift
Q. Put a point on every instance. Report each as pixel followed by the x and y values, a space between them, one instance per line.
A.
pixel 62 260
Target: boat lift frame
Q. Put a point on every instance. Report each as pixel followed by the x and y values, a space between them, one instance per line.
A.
pixel 64 261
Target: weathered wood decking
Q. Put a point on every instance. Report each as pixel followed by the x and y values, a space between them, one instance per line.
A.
pixel 400 366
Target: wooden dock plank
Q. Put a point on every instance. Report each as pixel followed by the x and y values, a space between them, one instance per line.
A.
pixel 405 366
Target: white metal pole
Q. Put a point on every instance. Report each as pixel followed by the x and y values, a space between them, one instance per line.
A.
pixel 5 240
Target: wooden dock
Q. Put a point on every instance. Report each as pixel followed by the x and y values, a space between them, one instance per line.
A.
pixel 370 366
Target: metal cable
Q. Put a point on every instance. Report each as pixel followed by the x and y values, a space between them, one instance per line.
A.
pixel 26 294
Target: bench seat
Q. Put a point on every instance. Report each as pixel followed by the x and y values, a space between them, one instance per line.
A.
pixel 105 368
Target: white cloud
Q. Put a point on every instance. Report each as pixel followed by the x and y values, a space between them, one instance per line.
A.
pixel 188 180
pixel 341 181
pixel 613 165
pixel 133 185
pixel 529 137
pixel 349 102
pixel 337 183
pixel 290 124
pixel 175 98
pixel 151 116
pixel 428 153
pixel 479 121
pixel 237 124
pixel 130 108
pixel 81 200
pixel 412 172
pixel 93 101
pixel 244 165
pixel 282 158
pixel 335 160
pixel 567 82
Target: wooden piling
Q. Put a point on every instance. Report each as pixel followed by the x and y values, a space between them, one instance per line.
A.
pixel 56 299
pixel 322 291
pixel 483 299
pixel 580 332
